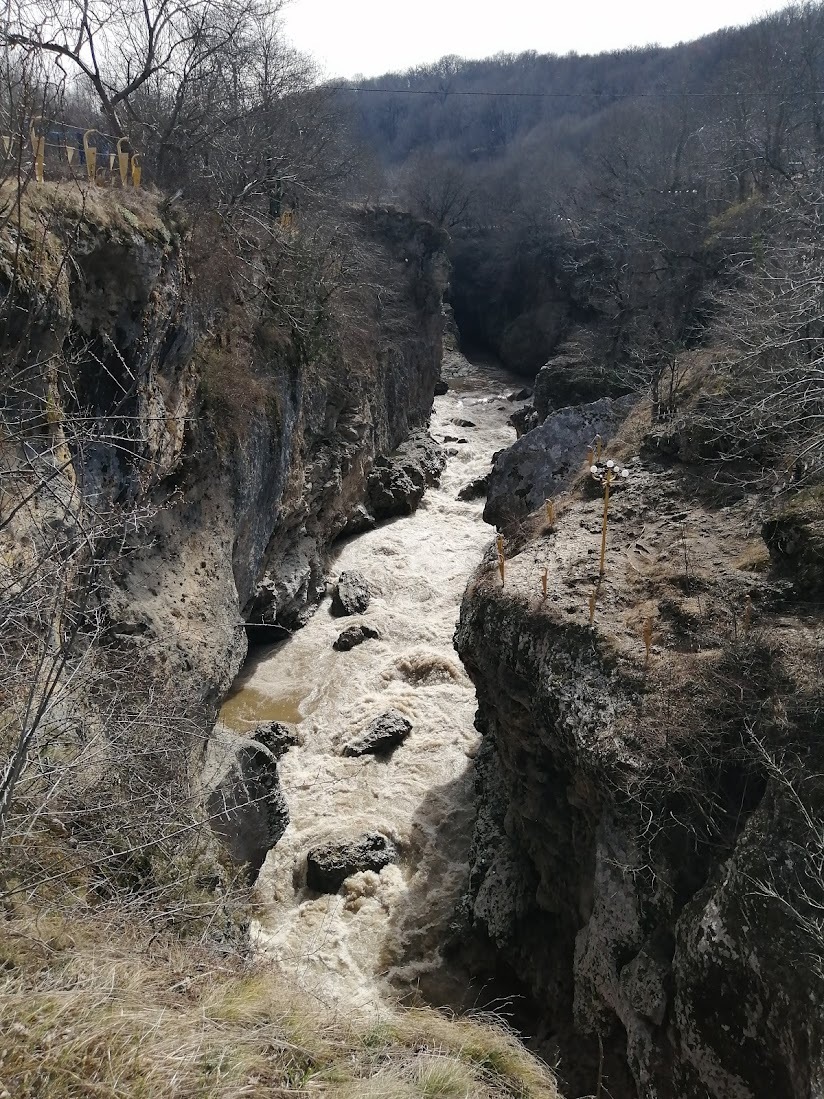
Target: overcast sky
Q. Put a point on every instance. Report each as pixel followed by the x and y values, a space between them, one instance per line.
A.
pixel 369 37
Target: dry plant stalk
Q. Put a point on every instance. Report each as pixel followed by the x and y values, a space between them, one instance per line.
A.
pixel 599 445
pixel 499 542
pixel 543 582
pixel 593 599
pixel 647 635
pixel 550 512
pixel 747 614
pixel 605 522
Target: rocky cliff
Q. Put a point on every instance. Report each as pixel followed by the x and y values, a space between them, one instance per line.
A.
pixel 647 853
pixel 248 422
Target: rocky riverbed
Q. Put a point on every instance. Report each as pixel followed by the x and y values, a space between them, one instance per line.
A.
pixel 387 732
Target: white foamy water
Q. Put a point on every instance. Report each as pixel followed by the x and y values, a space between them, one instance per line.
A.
pixel 383 930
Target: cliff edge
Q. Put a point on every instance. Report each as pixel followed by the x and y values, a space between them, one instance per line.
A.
pixel 647 851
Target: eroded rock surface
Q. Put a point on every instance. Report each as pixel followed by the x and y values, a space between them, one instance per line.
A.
pixel 276 737
pixel 569 378
pixel 351 594
pixel 475 489
pixel 247 808
pixel 244 494
pixel 328 865
pixel 354 635
pixel 397 483
pixel 638 861
pixel 542 462
pixel 381 735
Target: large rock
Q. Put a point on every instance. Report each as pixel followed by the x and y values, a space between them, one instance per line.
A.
pixel 571 379
pixel 246 806
pixel 397 483
pixel 475 489
pixel 276 737
pixel 351 594
pixel 353 635
pixel 525 419
pixel 542 462
pixel 329 864
pixel 795 539
pixel 381 735
pixel 359 521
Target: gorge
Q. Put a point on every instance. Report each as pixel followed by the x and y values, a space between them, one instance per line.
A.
pixel 362 735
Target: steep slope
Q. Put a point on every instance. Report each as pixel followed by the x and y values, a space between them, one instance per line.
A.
pixel 247 428
pixel 647 850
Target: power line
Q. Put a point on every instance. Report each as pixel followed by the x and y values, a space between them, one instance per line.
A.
pixel 446 92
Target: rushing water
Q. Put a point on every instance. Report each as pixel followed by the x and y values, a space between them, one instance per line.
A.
pixel 383 928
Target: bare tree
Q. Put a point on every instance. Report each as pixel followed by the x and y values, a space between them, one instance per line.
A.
pixel 769 402
pixel 439 189
pixel 124 48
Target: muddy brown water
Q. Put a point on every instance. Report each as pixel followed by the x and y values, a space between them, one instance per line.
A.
pixel 382 932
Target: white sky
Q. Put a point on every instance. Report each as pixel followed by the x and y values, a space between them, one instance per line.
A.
pixel 370 37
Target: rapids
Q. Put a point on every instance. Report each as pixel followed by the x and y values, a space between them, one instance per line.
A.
pixel 383 930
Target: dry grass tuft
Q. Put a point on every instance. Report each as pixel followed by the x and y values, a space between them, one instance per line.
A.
pixel 88 1009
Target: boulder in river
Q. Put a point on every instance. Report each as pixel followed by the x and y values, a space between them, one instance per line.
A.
pixel 247 809
pixel 385 732
pixel 458 421
pixel 441 387
pixel 329 864
pixel 398 481
pixel 352 636
pixel 351 594
pixel 524 419
pixel 520 395
pixel 359 521
pixel 474 490
pixel 276 737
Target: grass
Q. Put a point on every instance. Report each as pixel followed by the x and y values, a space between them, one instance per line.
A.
pixel 89 1008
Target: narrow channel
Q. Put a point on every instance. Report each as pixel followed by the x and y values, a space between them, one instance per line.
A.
pixel 382 932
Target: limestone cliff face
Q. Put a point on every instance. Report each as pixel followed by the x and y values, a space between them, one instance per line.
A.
pixel 243 493
pixel 642 861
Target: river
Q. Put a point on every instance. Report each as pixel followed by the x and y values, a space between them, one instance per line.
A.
pixel 382 932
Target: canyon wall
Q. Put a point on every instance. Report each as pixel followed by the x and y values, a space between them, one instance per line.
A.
pixel 243 449
pixel 646 859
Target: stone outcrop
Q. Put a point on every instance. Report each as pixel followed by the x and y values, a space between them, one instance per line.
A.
pixel 241 492
pixel 570 379
pixel 397 483
pixel 328 865
pixel 542 462
pixel 354 635
pixel 351 594
pixel 276 737
pixel 638 862
pixel 246 806
pixel 381 735
pixel 475 489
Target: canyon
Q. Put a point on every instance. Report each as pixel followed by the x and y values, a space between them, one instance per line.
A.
pixel 598 839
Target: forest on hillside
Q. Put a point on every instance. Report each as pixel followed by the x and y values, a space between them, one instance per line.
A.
pixel 626 206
